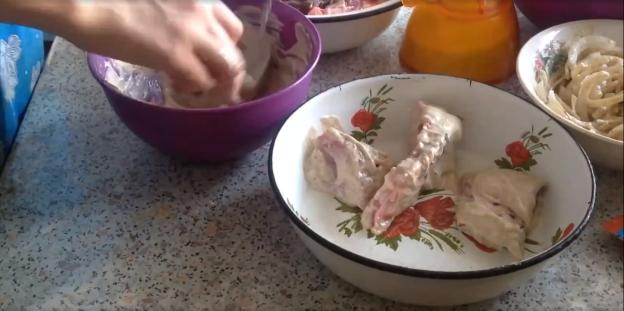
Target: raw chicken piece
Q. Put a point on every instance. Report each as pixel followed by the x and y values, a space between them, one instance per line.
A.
pixel 491 225
pixel 328 7
pixel 442 173
pixel 496 207
pixel 437 129
pixel 512 189
pixel 338 164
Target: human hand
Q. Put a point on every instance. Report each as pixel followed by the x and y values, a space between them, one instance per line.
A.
pixel 193 42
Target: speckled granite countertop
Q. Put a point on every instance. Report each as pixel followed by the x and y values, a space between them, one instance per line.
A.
pixel 91 218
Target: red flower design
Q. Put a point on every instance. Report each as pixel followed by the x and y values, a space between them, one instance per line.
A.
pixel 438 212
pixel 407 223
pixel 567 231
pixel 539 63
pixel 363 119
pixel 479 245
pixel 518 153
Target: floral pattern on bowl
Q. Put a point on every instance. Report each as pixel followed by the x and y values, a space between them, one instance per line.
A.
pixel 431 220
pixel 426 236
pixel 550 59
pixel 544 51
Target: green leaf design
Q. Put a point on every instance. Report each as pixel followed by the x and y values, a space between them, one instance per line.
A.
pixel 534 139
pixel 369 234
pixel 427 242
pixel 554 62
pixel 372 134
pixel 356 224
pixel 416 236
pixel 382 89
pixel 546 135
pixel 345 230
pixel 374 100
pixel 351 225
pixel 358 135
pixel 376 108
pixel 444 238
pixel 346 208
pixel 377 123
pixel 429 191
pixel 503 163
pixel 556 237
pixel 393 242
pixel 531 242
pixel 527 165
pixel 433 238
pixel 364 101
pixel 387 91
pixel 526 134
pixel 542 131
pixel 539 146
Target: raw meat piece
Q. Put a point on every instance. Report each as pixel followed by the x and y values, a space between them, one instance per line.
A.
pixel 338 164
pixel 512 189
pixel 442 175
pixel 437 129
pixel 491 225
pixel 329 7
pixel 496 207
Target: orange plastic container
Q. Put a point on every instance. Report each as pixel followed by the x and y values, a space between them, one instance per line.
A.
pixel 474 39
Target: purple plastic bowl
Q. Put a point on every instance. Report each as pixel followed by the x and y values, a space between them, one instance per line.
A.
pixel 218 134
pixel 546 13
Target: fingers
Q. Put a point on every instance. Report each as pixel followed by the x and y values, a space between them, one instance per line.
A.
pixel 188 73
pixel 215 59
pixel 222 58
pixel 229 21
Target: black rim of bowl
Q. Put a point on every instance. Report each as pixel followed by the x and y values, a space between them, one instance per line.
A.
pixel 322 19
pixel 474 274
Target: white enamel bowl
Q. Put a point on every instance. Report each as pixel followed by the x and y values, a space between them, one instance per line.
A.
pixel 602 150
pixel 431 262
pixel 341 32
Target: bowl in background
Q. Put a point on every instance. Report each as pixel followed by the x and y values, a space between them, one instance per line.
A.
pixel 602 150
pixel 433 266
pixel 216 134
pixel 552 12
pixel 341 32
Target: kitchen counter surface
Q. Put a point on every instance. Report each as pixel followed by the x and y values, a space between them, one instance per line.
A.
pixel 91 218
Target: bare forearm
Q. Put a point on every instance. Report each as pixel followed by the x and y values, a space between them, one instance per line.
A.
pixel 183 38
pixel 57 16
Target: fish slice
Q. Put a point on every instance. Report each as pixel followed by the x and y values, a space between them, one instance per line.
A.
pixel 257 53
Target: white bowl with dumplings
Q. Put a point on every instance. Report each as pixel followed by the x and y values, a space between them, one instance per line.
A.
pixel 425 257
pixel 546 54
